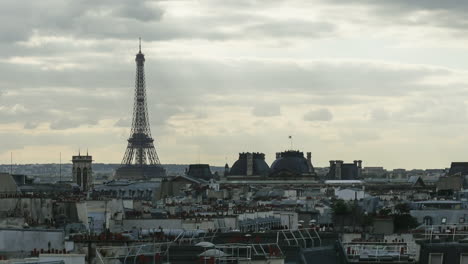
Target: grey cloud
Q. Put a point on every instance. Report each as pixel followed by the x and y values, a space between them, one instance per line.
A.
pixel 455 5
pixel 317 77
pixel 448 14
pixel 122 19
pixel 67 123
pixel 319 115
pixel 70 17
pixel 290 28
pixel 30 125
pixel 266 110
pixel 140 11
pixel 177 85
pixel 439 111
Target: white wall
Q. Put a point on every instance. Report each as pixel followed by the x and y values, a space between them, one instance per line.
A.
pixel 14 240
pixel 128 224
pixel 67 258
pixel 291 219
pixel 36 208
pixel 349 194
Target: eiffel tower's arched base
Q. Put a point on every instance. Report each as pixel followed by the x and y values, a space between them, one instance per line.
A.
pixel 135 172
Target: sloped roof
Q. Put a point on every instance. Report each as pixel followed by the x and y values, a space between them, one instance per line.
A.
pixel 414 180
pixel 458 167
pixel 7 183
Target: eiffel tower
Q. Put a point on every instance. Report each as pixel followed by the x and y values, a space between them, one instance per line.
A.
pixel 140 160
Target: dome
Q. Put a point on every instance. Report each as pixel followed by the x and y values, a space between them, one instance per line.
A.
pixel 291 161
pixel 260 167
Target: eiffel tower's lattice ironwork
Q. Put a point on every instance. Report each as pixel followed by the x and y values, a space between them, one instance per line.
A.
pixel 140 149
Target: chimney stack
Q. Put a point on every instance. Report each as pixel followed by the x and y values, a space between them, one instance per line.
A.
pixel 359 166
pixel 249 164
pixel 309 162
pixel 338 169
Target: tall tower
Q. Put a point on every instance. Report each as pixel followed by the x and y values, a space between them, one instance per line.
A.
pixel 140 160
pixel 82 171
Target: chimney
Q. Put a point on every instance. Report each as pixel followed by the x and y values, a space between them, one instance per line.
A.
pixel 338 169
pixel 249 164
pixel 309 162
pixel 359 168
pixel 278 155
pixel 226 169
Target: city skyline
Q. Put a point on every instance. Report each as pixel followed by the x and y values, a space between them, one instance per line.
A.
pixel 347 85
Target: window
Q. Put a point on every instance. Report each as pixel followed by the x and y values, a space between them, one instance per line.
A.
pixel 462 220
pixel 427 220
pixel 436 258
pixel 444 220
pixel 463 258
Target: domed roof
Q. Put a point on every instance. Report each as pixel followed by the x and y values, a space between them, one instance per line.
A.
pixel 291 161
pixel 260 167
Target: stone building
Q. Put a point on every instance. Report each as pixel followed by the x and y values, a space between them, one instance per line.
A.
pixel 345 171
pixel 249 164
pixel 82 171
pixel 292 163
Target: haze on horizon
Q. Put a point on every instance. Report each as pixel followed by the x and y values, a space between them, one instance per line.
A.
pixel 381 81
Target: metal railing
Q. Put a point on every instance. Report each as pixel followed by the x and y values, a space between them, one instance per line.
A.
pixel 154 252
pixel 300 237
pixel 379 252
pixel 36 262
pixel 451 230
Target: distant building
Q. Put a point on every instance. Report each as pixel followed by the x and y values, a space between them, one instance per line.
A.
pixel 82 171
pixel 438 252
pixel 345 171
pixel 350 194
pixel 455 180
pixel 200 171
pixel 374 172
pixel 125 189
pixel 292 163
pixel 249 164
pixel 439 212
pixel 460 168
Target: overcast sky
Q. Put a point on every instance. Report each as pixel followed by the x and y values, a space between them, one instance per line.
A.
pixel 382 81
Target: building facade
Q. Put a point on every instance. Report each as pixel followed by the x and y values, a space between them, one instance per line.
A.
pixel 82 171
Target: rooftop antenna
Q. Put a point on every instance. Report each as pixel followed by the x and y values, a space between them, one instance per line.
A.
pixel 11 163
pixel 291 140
pixel 139 46
pixel 79 152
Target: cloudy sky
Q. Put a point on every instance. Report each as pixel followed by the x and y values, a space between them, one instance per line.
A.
pixel 382 81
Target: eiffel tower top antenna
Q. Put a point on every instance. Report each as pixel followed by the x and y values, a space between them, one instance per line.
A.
pixel 139 46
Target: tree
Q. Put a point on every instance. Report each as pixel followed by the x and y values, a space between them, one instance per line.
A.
pixel 402 208
pixel 385 212
pixel 340 210
pixel 402 220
